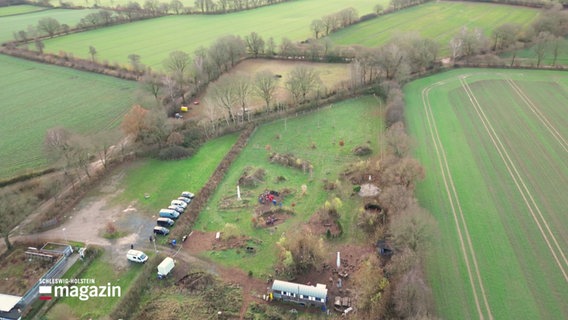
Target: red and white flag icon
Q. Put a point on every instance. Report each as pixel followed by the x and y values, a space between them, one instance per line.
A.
pixel 45 292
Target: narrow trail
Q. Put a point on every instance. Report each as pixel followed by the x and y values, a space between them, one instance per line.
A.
pixel 464 237
pixel 541 222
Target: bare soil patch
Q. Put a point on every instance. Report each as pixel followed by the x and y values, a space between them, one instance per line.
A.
pixel 18 273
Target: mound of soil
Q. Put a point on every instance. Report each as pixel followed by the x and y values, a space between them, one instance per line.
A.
pixel 320 226
pixel 252 177
pixel 290 160
pixel 364 150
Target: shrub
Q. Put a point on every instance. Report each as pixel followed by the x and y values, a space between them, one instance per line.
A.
pixel 174 153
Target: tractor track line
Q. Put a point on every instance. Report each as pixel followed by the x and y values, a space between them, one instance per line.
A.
pixel 517 179
pixel 549 126
pixel 451 193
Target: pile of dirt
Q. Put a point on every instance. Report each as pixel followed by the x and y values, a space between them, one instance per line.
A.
pixel 363 150
pixel 252 177
pixel 290 160
pixel 196 281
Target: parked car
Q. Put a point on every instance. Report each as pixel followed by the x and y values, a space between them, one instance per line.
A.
pixel 136 256
pixel 168 213
pixel 184 199
pixel 179 209
pixel 161 230
pixel 187 194
pixel 165 222
pixel 179 203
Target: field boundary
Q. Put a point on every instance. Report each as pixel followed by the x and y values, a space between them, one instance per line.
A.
pixel 452 194
pixel 517 179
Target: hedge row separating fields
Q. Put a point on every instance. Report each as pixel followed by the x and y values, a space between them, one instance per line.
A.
pixel 129 302
pixel 202 197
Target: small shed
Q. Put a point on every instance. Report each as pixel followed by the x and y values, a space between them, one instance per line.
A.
pixel 300 293
pixel 9 309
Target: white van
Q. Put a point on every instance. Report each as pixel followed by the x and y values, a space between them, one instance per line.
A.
pixel 179 203
pixel 167 213
pixel 136 256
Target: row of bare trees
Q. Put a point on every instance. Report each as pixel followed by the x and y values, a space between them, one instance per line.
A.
pixel 225 6
pixel 332 22
pixel 545 34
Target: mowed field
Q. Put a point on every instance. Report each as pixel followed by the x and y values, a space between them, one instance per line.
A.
pixel 436 20
pixel 313 137
pixel 36 97
pixel 13 23
pixel 495 147
pixel 154 39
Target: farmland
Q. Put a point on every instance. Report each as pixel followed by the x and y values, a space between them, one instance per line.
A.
pixel 36 97
pixel 420 19
pixel 494 146
pixel 314 137
pixel 15 23
pixel 154 39
pixel 13 10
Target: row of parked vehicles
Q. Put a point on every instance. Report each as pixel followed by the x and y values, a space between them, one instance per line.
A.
pixel 169 215
pixel 165 221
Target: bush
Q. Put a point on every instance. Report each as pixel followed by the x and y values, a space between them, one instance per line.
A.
pixel 174 153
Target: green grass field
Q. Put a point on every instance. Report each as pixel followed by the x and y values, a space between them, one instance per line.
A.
pixel 436 20
pixel 165 180
pixel 36 97
pixel 154 39
pixel 494 145
pixel 14 23
pixel 355 121
pixel 20 9
pixel 102 272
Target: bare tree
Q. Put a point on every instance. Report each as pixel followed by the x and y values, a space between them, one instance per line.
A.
pixel 505 35
pixel 178 64
pixel 255 44
pixel 152 83
pixel 135 62
pixel 93 53
pixel 224 95
pixel 541 42
pixel 378 9
pixel 412 297
pixel 373 289
pixel 330 23
pixel 398 142
pixel 243 90
pixel 176 6
pixel 405 172
pixel 306 249
pixel 414 229
pixel 49 25
pixel 301 82
pixel 12 206
pixel 265 86
pixel 317 27
pixel 39 45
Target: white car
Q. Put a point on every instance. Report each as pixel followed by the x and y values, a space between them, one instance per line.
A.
pixel 187 194
pixel 136 256
pixel 184 199
pixel 179 203
pixel 176 208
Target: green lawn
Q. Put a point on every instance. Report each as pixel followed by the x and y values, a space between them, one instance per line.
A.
pixel 355 121
pixel 36 97
pixel 436 20
pixel 508 176
pixel 20 9
pixel 14 23
pixel 102 272
pixel 165 180
pixel 154 39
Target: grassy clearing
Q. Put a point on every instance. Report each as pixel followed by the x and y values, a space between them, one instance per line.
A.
pixel 517 269
pixel 331 74
pixel 36 97
pixel 438 21
pixel 355 121
pixel 15 23
pixel 102 272
pixel 12 10
pixel 154 39
pixel 528 56
pixel 165 180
